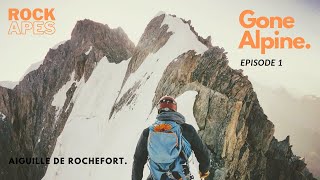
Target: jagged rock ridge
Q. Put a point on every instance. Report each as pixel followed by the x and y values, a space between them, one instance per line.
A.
pixel 230 119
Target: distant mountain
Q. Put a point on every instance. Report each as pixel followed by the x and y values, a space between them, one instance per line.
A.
pixel 298 117
pixel 94 94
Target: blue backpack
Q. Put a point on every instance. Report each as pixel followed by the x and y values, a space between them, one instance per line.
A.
pixel 168 150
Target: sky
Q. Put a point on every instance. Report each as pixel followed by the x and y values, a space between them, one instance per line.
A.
pixel 299 74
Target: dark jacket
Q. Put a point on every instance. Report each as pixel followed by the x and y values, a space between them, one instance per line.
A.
pixel 200 150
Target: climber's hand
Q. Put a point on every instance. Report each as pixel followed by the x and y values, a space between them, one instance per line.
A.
pixel 204 175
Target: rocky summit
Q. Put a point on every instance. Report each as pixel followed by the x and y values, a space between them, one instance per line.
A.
pixel 40 115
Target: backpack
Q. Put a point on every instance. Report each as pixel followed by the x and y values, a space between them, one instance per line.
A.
pixel 168 150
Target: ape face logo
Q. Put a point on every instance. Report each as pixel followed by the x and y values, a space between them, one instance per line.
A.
pixel 31 21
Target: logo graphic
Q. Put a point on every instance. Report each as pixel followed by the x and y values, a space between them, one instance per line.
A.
pixel 36 21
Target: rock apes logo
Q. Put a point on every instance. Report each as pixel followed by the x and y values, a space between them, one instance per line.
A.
pixel 36 21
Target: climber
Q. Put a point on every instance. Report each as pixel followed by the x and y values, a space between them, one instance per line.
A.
pixel 167 146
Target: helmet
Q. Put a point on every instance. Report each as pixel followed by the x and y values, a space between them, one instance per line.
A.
pixel 167 103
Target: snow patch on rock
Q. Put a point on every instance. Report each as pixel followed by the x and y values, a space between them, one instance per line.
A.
pixel 89 50
pixel 2 116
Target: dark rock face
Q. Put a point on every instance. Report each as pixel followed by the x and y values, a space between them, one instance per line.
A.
pixel 32 124
pixel 114 43
pixel 283 164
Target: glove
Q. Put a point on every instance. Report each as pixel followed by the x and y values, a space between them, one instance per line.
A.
pixel 204 175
